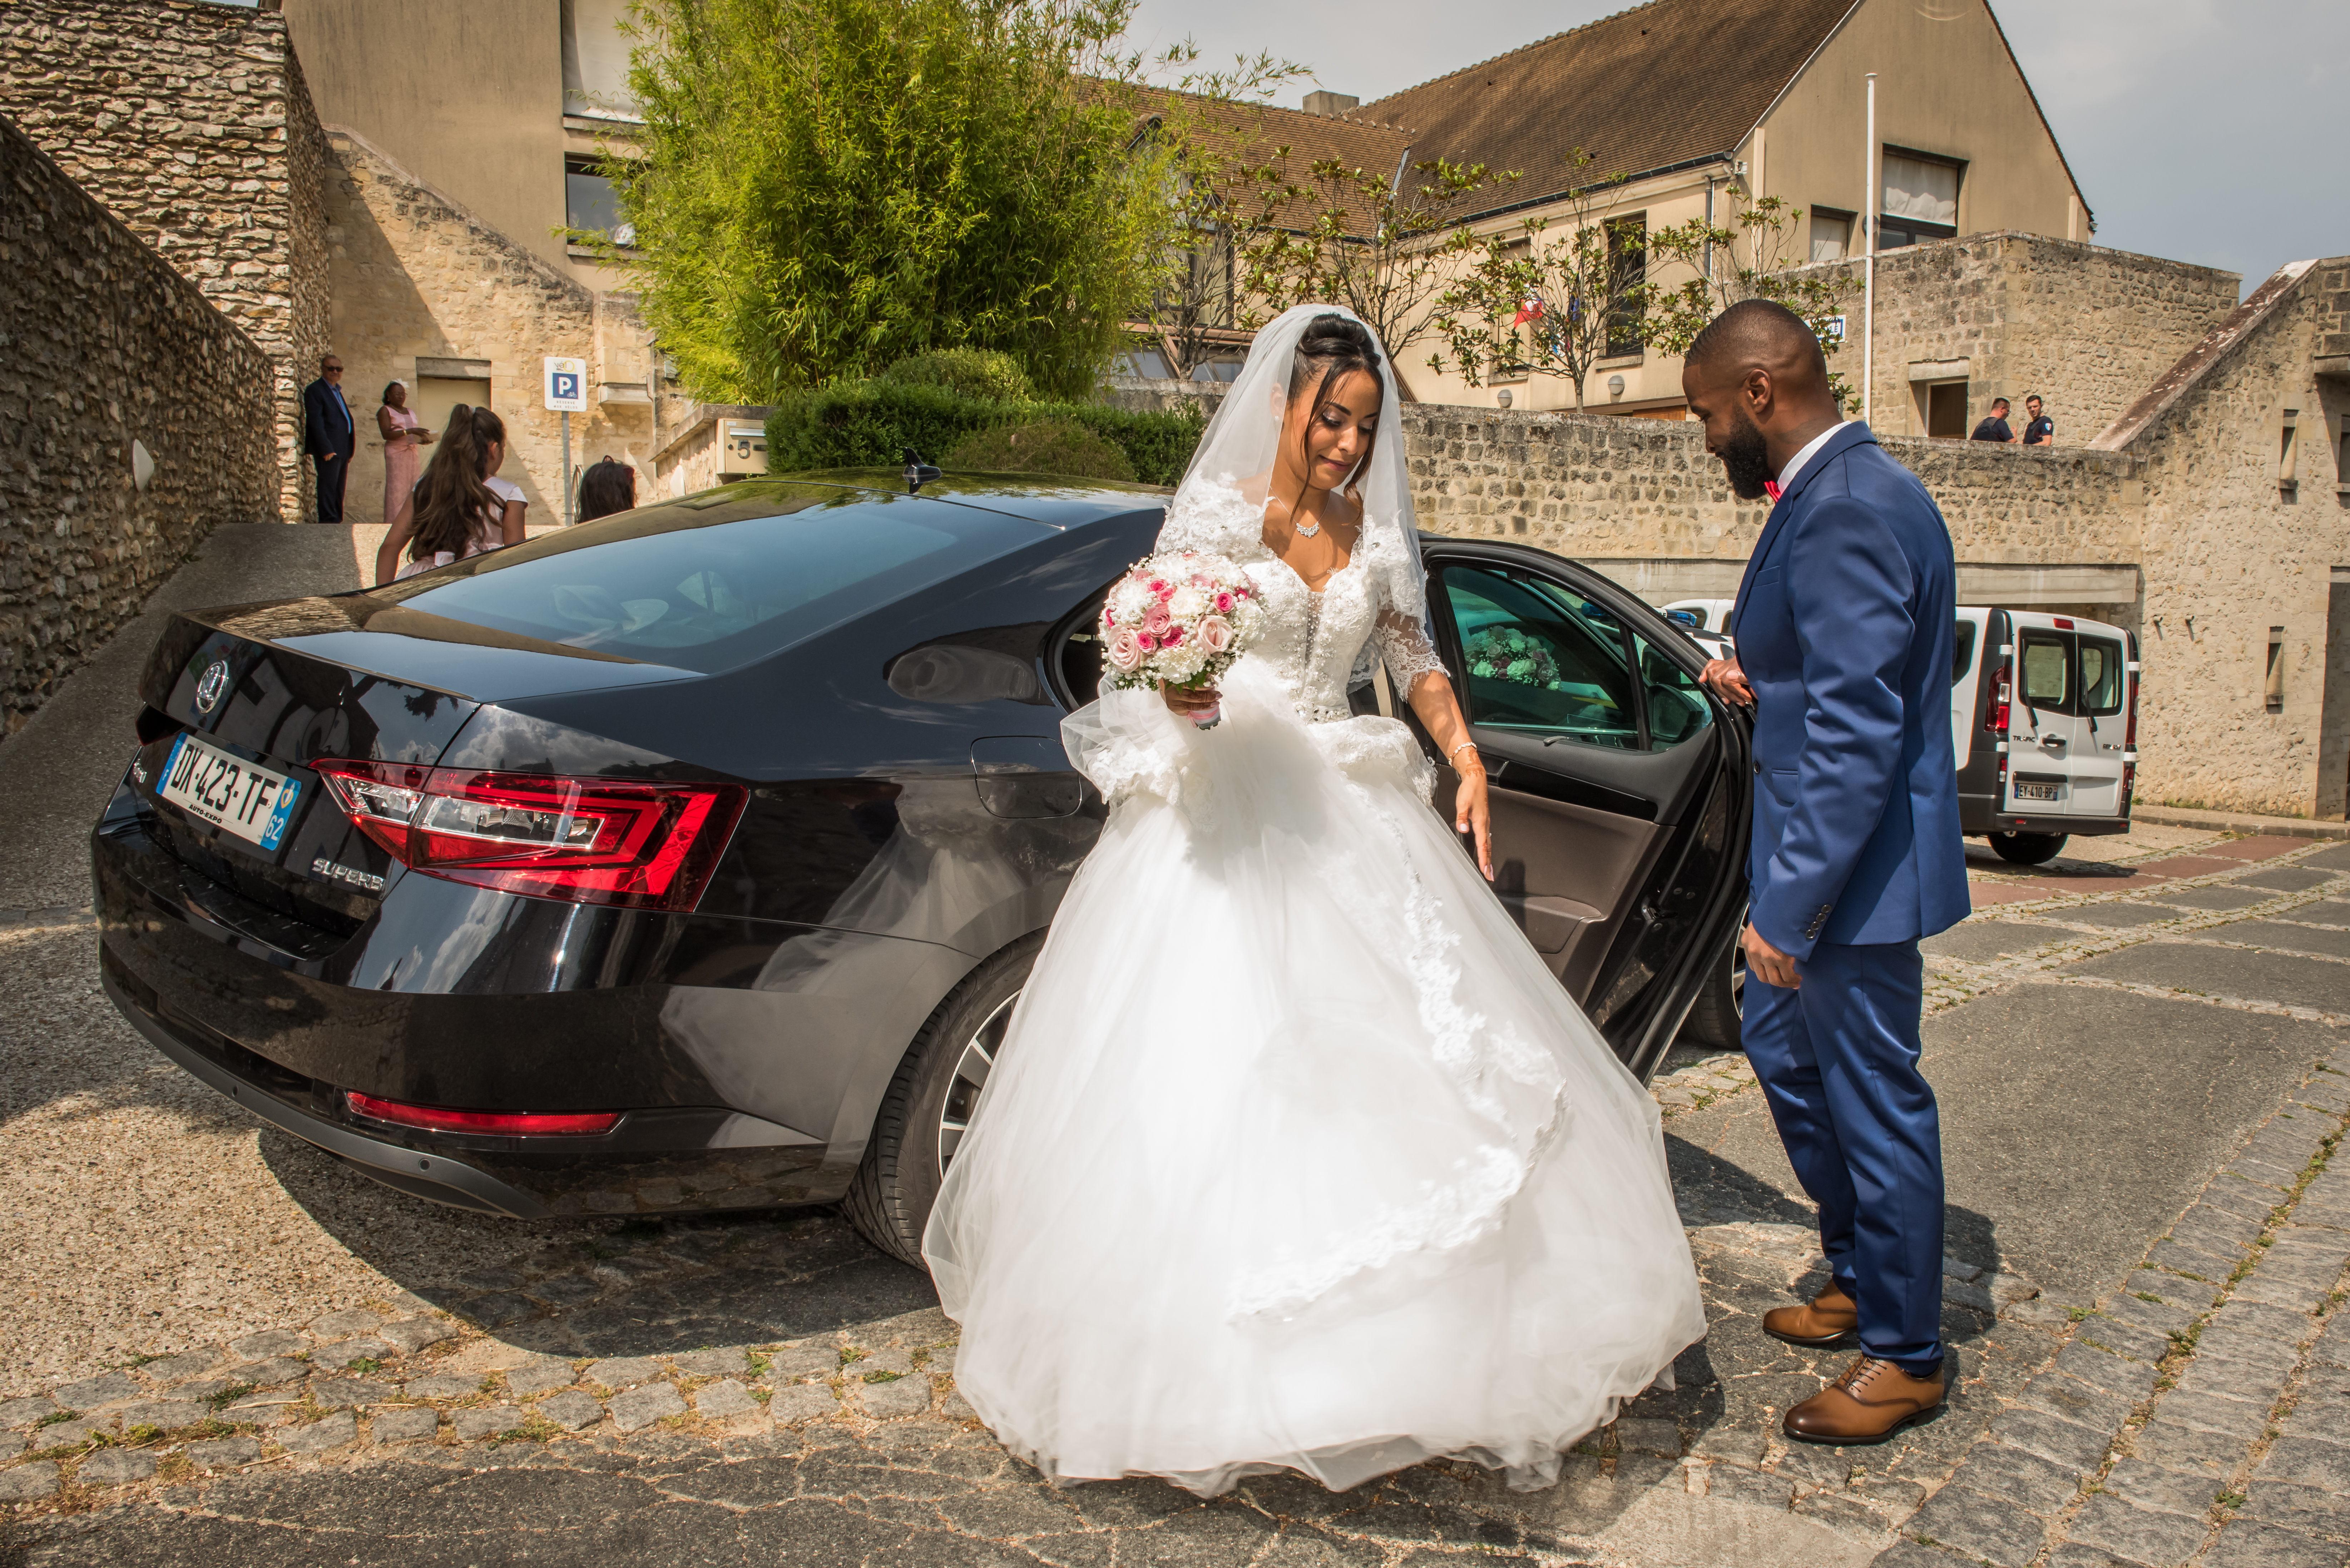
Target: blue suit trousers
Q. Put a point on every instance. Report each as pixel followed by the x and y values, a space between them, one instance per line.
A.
pixel 1838 1058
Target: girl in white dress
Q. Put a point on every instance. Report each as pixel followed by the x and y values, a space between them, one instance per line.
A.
pixel 1294 1154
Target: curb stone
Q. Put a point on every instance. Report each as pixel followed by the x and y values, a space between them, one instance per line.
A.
pixel 2187 1474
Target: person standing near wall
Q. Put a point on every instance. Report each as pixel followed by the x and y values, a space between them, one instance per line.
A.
pixel 460 508
pixel 2041 431
pixel 402 435
pixel 1995 426
pixel 329 435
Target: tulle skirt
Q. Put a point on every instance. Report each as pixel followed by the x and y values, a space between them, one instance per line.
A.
pixel 1294 1154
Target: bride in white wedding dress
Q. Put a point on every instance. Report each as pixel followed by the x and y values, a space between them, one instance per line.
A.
pixel 1294 1154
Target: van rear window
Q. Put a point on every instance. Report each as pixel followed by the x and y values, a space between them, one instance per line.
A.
pixel 2100 675
pixel 676 585
pixel 1963 650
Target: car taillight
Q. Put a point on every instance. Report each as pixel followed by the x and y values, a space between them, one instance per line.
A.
pixel 586 841
pixel 1995 710
pixel 523 1123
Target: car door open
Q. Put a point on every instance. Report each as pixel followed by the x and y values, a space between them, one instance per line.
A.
pixel 1618 832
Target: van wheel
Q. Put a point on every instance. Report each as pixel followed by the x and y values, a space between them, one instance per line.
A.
pixel 1720 1012
pixel 928 1106
pixel 2028 848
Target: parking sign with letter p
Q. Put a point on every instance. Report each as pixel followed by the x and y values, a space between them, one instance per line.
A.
pixel 566 385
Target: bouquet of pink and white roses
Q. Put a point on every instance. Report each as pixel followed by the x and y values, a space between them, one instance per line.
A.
pixel 1180 618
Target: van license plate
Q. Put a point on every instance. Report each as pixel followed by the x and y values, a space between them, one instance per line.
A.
pixel 223 789
pixel 2036 791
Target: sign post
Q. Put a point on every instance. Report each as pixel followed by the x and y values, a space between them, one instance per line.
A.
pixel 567 393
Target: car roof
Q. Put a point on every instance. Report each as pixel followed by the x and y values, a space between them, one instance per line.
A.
pixel 1056 503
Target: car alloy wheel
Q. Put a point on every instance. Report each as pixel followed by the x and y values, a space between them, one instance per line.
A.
pixel 969 1077
pixel 920 1127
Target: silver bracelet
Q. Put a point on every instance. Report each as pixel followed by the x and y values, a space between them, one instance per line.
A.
pixel 1457 750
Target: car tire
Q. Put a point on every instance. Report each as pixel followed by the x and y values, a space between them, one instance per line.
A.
pixel 1719 1013
pixel 895 1184
pixel 2028 848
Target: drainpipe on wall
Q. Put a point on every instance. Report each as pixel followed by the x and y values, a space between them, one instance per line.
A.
pixel 1868 229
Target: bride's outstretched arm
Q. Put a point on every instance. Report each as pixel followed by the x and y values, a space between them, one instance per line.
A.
pixel 1440 711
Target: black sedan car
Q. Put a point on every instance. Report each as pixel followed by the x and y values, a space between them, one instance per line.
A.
pixel 693 859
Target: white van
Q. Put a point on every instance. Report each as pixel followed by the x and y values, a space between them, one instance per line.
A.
pixel 2044 718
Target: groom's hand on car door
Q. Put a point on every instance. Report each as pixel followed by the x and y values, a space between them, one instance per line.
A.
pixel 1725 679
pixel 1768 964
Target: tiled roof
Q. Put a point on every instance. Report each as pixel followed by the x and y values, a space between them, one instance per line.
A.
pixel 1668 83
pixel 1256 133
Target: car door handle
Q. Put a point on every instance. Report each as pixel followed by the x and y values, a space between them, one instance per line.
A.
pixel 2052 740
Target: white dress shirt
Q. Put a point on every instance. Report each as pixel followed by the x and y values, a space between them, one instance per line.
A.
pixel 1811 449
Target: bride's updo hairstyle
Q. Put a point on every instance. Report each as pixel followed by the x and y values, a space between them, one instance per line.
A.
pixel 1331 347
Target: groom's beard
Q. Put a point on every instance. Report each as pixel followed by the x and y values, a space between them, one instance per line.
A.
pixel 1746 458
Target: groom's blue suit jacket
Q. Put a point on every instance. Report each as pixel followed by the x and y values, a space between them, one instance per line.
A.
pixel 1843 625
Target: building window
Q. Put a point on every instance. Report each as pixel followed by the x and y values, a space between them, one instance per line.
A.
pixel 589 203
pixel 1831 235
pixel 1920 200
pixel 1628 259
pixel 1946 408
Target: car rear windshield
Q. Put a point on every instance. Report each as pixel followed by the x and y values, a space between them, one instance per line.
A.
pixel 699 585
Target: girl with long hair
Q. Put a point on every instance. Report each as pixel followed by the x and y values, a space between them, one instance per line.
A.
pixel 460 508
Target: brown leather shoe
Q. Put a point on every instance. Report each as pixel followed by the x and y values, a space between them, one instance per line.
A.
pixel 1831 1323
pixel 1872 1401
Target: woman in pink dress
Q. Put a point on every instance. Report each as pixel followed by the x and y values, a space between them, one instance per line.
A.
pixel 401 437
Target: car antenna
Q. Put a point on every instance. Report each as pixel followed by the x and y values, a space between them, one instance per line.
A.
pixel 918 473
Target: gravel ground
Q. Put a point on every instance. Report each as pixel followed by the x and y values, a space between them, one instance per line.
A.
pixel 139 1210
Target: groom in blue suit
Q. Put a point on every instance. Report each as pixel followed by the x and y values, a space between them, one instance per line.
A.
pixel 1844 626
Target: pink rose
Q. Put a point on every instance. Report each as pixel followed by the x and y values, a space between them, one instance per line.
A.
pixel 1171 637
pixel 1224 603
pixel 1215 634
pixel 1156 621
pixel 1147 643
pixel 1158 585
pixel 1125 648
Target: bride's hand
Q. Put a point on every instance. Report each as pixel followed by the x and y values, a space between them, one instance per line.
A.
pixel 1188 701
pixel 1470 813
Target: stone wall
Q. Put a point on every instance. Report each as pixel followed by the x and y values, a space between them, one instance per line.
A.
pixel 2234 551
pixel 106 347
pixel 2086 327
pixel 189 122
pixel 418 280
pixel 1603 488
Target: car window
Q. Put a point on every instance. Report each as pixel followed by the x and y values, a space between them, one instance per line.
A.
pixel 1963 650
pixel 1676 705
pixel 1542 659
pixel 2047 669
pixel 2100 675
pixel 682 589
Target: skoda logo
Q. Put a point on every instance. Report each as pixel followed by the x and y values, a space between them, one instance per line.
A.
pixel 209 689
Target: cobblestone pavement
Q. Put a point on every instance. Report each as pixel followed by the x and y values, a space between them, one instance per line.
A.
pixel 2148 1392
pixel 219 1346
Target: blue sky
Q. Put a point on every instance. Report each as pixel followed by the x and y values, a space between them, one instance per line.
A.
pixel 2199 128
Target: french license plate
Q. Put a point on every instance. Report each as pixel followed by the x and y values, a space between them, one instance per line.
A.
pixel 2036 791
pixel 223 789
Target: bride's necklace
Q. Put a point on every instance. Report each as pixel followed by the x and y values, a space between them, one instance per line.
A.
pixel 1304 530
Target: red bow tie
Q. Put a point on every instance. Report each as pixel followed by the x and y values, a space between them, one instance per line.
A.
pixel 1771 489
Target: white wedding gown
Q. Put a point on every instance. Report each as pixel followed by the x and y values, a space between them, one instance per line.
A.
pixel 1294 1154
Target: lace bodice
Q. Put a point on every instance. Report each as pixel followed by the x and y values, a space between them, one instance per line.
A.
pixel 1315 643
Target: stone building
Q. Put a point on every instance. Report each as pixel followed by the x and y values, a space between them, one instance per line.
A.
pixel 1703 104
pixel 2212 517
pixel 190 122
pixel 2008 313
pixel 135 417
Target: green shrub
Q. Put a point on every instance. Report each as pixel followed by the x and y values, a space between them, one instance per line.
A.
pixel 982 373
pixel 1047 446
pixel 868 424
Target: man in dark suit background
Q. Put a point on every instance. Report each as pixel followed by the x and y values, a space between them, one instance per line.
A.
pixel 329 435
pixel 1844 630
